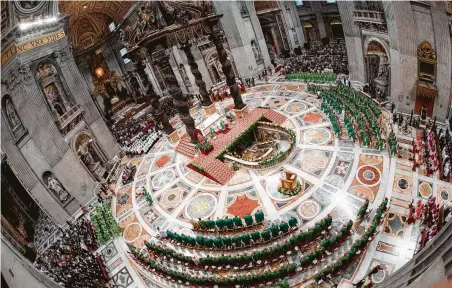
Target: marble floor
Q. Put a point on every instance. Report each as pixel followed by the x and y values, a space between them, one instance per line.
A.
pixel 337 176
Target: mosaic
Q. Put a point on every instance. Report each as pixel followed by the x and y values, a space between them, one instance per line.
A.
pixel 201 206
pixel 317 136
pixel 313 162
pixel 425 190
pixel 403 184
pixel 122 279
pixel 395 224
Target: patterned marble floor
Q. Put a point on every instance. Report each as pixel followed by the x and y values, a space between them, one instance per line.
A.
pixel 337 177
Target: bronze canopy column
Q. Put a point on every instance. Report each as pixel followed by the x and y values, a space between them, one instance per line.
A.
pixel 206 102
pixel 179 100
pixel 217 38
pixel 156 107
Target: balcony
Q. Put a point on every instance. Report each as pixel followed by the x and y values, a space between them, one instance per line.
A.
pixel 69 119
pixel 369 16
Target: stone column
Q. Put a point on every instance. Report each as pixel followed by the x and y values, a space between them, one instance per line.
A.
pixel 208 106
pixel 217 38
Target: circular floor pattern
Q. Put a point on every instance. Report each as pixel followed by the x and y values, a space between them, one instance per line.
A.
pixel 403 183
pixel 317 136
pixel 201 206
pixel 163 178
pixel 309 209
pixel 368 175
pixel 273 182
pixel 379 276
pixel 132 232
pixel 296 107
pixel 444 195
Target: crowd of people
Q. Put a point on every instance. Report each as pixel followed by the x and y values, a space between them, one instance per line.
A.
pixel 141 143
pixel 70 261
pixel 319 58
pixel 126 131
pixel 445 146
pixel 424 151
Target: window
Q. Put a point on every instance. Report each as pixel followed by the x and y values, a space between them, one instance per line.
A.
pixel 299 3
pixel 330 1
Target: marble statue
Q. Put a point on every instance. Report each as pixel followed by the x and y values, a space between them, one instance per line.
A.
pixel 256 52
pixel 85 155
pixel 55 186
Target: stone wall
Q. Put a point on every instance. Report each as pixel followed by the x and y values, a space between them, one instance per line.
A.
pixel 44 147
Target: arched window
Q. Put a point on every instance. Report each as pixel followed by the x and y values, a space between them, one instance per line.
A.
pixel 12 118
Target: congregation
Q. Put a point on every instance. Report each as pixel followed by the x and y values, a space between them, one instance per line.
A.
pixel 70 261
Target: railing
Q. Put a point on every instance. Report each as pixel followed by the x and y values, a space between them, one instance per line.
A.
pixel 369 16
pixel 70 115
pixel 440 246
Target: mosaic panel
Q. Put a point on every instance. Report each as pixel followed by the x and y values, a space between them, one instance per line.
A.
pixel 367 180
pixel 122 279
pixel 395 224
pixel 109 252
pixel 425 190
pixel 162 178
pixel 313 162
pixel 144 168
pixel 317 136
pixel 402 184
pixel 311 118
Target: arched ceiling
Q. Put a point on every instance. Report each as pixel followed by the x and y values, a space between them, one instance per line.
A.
pixel 89 20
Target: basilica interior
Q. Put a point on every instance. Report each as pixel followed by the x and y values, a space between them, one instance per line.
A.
pixel 226 144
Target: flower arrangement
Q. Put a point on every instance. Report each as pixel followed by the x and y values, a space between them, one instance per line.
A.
pixel 293 192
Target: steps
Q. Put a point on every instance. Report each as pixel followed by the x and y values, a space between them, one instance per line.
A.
pixel 186 148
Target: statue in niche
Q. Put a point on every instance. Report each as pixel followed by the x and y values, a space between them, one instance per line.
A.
pixel 55 186
pixel 383 69
pixel 11 114
pixel 256 51
pixel 85 155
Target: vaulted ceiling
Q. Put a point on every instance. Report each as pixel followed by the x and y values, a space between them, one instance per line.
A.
pixel 89 20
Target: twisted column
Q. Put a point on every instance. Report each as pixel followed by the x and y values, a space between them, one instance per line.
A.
pixel 179 100
pixel 205 98
pixel 156 107
pixel 217 38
